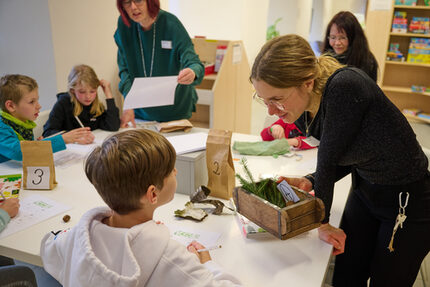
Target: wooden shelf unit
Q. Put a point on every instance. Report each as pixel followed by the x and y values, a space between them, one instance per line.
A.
pixel 225 98
pixel 396 78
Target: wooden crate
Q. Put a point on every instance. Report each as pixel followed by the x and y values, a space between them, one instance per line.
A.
pixel 284 222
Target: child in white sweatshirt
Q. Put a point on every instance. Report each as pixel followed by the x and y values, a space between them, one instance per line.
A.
pixel 134 172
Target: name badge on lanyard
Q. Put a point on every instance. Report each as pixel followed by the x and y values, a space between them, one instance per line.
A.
pixel 311 141
pixel 166 44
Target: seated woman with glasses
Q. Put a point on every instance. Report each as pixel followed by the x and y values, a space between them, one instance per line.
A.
pixel 345 41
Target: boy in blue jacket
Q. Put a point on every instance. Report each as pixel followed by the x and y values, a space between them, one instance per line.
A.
pixel 19 102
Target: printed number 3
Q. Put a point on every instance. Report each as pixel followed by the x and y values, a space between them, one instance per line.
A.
pixel 38 172
pixel 216 170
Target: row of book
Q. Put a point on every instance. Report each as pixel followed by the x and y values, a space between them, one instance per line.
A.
pixel 418 52
pixel 410 2
pixel 417 113
pixel 418 25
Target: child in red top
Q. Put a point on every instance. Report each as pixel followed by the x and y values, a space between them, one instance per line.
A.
pixel 281 129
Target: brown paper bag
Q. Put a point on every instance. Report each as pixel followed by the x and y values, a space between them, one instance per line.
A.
pixel 220 163
pixel 179 125
pixel 38 165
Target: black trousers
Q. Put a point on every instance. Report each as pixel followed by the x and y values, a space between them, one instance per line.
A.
pixel 368 222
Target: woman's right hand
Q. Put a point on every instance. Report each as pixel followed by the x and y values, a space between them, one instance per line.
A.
pixel 277 132
pixel 334 236
pixel 300 182
pixel 203 256
pixel 11 206
pixel 79 135
pixel 127 116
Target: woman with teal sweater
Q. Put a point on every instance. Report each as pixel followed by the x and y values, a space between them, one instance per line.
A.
pixel 153 43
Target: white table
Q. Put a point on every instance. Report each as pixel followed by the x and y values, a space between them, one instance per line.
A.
pixel 299 261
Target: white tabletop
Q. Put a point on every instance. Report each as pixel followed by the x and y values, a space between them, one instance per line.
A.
pixel 299 261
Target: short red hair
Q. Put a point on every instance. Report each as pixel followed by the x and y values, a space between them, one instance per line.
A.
pixel 153 9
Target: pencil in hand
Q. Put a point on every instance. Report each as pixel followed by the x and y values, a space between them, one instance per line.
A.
pixel 79 121
pixel 209 248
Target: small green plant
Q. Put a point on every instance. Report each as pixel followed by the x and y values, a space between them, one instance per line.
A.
pixel 266 188
pixel 271 30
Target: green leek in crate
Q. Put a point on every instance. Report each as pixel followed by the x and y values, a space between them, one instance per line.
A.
pixel 266 188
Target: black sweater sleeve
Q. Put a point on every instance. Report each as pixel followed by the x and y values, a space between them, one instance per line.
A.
pixel 343 108
pixel 110 119
pixel 57 118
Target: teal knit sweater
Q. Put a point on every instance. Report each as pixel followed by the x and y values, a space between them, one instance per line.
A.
pixel 167 62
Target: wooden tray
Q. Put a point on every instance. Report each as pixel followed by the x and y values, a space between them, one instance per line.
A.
pixel 284 222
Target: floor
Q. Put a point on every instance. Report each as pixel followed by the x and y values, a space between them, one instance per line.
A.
pixel 42 277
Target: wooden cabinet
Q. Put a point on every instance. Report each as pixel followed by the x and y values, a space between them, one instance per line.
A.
pixel 225 98
pixel 396 78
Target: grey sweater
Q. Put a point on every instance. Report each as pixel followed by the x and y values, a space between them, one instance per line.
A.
pixel 359 127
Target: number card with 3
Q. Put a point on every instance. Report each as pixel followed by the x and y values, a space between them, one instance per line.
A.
pixel 38 177
pixel 38 165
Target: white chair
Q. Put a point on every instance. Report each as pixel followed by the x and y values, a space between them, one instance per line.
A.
pixel 40 121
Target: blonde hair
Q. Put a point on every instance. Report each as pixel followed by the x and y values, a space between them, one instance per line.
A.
pixel 84 74
pixel 126 164
pixel 288 61
pixel 13 87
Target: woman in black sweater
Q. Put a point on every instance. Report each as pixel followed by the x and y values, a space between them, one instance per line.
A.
pixel 359 132
pixel 345 40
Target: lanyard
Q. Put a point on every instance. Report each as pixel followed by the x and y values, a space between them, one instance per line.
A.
pixel 141 51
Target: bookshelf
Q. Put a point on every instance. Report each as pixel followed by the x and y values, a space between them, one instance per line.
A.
pixel 396 78
pixel 225 98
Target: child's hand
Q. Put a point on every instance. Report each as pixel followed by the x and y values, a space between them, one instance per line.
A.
pixel 186 76
pixel 79 135
pixel 203 256
pixel 106 88
pixel 277 132
pixel 11 206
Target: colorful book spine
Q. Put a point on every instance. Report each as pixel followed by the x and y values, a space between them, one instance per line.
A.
pixel 400 23
pixel 419 51
pixel 406 2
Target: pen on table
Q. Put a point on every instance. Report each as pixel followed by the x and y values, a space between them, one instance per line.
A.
pixel 56 134
pixel 209 248
pixel 79 121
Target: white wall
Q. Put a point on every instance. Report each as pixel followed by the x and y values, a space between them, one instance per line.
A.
pixel 225 20
pixel 82 33
pixel 26 45
pixel 295 14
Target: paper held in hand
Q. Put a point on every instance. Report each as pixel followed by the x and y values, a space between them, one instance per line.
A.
pixel 151 92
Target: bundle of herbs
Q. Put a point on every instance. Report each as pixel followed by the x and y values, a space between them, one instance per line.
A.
pixel 266 188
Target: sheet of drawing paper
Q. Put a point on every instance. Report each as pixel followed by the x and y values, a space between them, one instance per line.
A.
pixel 188 142
pixel 33 210
pixel 185 235
pixel 151 92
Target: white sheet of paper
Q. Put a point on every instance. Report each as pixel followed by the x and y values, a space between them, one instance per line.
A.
pixel 84 148
pixel 188 142
pixel 237 54
pixel 66 158
pixel 151 92
pixel 33 210
pixel 185 235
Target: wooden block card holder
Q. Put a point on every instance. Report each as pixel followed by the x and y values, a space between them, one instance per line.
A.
pixel 38 165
